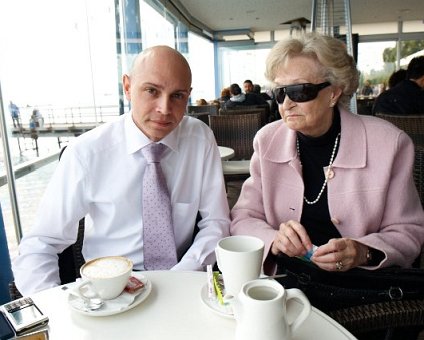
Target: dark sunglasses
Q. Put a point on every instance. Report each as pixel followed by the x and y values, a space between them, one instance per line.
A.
pixel 299 93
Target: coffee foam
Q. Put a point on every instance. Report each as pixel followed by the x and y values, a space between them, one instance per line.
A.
pixel 106 267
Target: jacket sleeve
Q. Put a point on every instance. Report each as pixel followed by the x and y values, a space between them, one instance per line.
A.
pixel 401 233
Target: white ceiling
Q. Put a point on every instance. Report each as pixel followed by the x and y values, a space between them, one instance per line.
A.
pixel 267 15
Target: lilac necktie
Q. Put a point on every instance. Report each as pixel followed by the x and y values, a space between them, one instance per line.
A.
pixel 158 233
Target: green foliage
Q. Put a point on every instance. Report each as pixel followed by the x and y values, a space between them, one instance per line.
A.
pixel 407 48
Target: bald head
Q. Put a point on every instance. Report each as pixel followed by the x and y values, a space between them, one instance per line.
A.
pixel 162 56
pixel 158 87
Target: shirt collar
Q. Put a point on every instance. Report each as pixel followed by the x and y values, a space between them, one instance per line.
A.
pixel 136 139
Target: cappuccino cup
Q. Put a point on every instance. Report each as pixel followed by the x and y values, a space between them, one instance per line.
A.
pixel 105 277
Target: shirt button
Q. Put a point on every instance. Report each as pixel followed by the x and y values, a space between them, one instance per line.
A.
pixel 335 220
pixel 330 174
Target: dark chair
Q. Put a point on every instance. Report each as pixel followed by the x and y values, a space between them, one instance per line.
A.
pixel 203 116
pixel 236 132
pixel 413 125
pixel 264 110
pixel 404 315
pixel 211 109
pixel 70 260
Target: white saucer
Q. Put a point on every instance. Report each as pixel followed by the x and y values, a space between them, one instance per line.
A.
pixel 106 310
pixel 222 310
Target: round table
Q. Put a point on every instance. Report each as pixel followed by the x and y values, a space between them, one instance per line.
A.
pixel 225 153
pixel 173 310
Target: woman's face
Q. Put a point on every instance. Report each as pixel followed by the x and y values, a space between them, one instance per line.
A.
pixel 312 118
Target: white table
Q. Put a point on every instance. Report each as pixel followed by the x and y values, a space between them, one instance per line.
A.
pixel 173 310
pixel 225 153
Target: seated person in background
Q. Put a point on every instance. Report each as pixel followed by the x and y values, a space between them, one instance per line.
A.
pixel 100 177
pixel 327 177
pixel 225 95
pixel 396 77
pixel 201 102
pixel 407 97
pixel 257 90
pixel 367 89
pixel 240 99
pixel 248 86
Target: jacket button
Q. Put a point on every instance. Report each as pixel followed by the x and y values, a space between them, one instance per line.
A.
pixel 335 220
pixel 330 174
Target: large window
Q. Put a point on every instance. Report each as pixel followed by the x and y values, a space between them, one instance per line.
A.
pixel 201 59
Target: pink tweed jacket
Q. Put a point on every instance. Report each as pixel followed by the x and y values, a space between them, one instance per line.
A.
pixel 371 193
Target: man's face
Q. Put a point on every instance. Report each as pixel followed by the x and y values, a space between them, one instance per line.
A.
pixel 248 87
pixel 158 88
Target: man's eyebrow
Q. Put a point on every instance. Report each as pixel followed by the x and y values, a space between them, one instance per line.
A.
pixel 161 87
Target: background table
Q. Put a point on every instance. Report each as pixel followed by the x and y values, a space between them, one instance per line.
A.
pixel 225 153
pixel 173 310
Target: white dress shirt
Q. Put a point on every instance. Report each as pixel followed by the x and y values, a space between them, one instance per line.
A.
pixel 100 177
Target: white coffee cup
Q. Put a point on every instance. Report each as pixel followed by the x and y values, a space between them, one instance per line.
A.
pixel 239 259
pixel 105 276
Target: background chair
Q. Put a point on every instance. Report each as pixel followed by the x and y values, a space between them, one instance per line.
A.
pixel 203 116
pixel 264 110
pixel 413 125
pixel 211 109
pixel 237 132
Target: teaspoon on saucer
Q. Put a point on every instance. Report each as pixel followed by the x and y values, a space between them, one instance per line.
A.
pixel 91 303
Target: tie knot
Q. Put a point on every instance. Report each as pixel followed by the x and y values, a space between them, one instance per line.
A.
pixel 153 152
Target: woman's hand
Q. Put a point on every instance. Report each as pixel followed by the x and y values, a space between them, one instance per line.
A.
pixel 340 254
pixel 291 239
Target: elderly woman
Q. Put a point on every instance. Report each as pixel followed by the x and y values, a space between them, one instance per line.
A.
pixel 326 177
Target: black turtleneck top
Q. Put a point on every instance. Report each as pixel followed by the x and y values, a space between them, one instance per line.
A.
pixel 315 154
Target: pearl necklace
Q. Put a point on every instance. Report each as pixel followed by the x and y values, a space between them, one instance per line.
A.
pixel 327 174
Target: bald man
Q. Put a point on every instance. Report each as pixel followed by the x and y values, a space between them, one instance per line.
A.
pixel 100 176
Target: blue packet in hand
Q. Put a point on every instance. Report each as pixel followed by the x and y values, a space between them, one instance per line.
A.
pixel 308 255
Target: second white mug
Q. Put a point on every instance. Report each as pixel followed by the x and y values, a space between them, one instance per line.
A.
pixel 239 259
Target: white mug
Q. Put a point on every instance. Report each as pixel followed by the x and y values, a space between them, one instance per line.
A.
pixel 260 310
pixel 239 259
pixel 104 276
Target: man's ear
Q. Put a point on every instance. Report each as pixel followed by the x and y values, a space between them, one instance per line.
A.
pixel 126 82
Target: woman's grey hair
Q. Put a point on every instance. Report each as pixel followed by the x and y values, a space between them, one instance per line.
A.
pixel 338 67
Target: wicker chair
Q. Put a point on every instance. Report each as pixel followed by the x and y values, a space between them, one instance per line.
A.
pixel 236 132
pixel 203 116
pixel 384 316
pixel 210 109
pixel 413 125
pixel 264 110
pixel 69 261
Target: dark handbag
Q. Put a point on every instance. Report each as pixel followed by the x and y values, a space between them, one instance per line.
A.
pixel 330 291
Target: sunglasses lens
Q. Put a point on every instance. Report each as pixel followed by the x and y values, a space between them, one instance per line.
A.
pixel 302 93
pixel 279 95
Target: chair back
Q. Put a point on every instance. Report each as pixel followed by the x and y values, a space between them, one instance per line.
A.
pixel 69 262
pixel 413 125
pixel 264 110
pixel 211 109
pixel 203 116
pixel 236 132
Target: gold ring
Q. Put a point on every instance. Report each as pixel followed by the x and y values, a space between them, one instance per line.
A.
pixel 339 265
